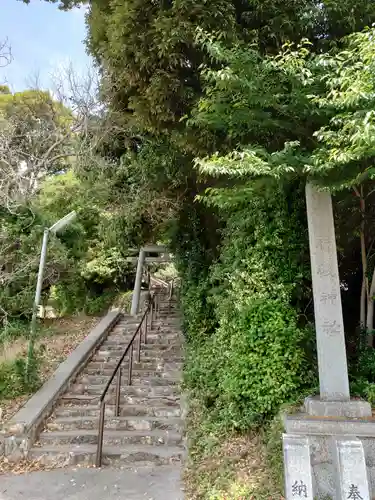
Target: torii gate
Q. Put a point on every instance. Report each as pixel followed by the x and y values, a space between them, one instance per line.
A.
pixel 141 261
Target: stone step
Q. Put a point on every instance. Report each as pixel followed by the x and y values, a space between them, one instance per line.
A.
pixel 125 327
pixel 152 381
pixel 167 318
pixel 126 323
pixel 130 390
pixel 144 373
pixel 152 339
pixel 155 437
pixel 164 356
pixel 168 310
pixel 82 399
pixel 145 364
pixel 164 318
pixel 120 344
pixel 116 353
pixel 160 325
pixel 149 428
pixel 68 455
pixel 134 423
pixel 157 348
pixel 158 328
pixel 130 410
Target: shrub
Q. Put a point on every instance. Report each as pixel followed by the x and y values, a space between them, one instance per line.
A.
pixel 252 357
pixel 14 381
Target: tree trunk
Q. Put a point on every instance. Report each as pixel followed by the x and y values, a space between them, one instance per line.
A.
pixel 364 290
pixel 362 316
pixel 370 311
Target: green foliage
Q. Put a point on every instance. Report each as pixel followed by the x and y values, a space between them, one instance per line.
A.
pixel 14 329
pixel 157 79
pixel 4 89
pixel 99 304
pixel 32 105
pixel 250 99
pixel 13 379
pixel 230 465
pixel 257 348
pixel 63 4
pixel 20 244
pixel 346 145
pixel 33 129
pixel 254 361
pixel 293 113
pixel 84 264
pixel 11 385
pixel 154 60
pixel 77 295
pixel 362 370
pixel 69 296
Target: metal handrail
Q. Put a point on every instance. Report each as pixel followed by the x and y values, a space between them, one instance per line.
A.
pixel 153 307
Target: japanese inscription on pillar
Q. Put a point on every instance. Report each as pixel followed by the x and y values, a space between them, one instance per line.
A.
pixel 298 475
pixel 354 492
pixel 333 374
pixel 350 468
pixel 299 489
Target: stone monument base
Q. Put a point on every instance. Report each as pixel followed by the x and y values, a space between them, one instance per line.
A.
pixel 319 431
pixel 353 408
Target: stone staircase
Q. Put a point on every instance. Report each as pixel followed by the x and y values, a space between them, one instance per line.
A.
pixel 149 428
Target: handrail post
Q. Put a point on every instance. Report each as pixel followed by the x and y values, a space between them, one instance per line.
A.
pixel 170 296
pixel 130 366
pixel 157 303
pixel 139 343
pixel 151 314
pixel 118 393
pixel 146 322
pixel 99 450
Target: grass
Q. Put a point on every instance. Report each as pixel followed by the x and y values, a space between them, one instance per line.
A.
pixel 233 466
pixel 123 301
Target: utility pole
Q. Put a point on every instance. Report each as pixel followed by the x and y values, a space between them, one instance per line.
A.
pixel 58 226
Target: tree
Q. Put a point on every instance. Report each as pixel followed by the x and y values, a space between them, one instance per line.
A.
pixel 63 4
pixel 305 114
pixel 36 140
pixel 42 135
pixel 150 59
pixel 346 151
pixel 41 140
pixel 5 53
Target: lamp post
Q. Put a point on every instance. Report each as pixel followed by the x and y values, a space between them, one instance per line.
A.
pixel 55 228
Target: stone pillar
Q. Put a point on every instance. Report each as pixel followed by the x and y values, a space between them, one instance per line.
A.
pixel 138 283
pixel 330 338
pixel 333 371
